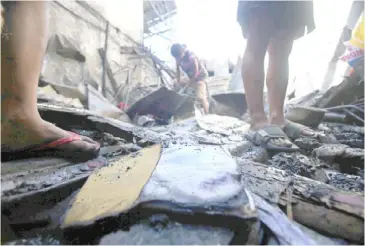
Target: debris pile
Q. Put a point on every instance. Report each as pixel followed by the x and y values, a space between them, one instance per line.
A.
pixel 204 177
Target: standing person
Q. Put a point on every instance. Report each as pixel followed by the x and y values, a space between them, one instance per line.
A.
pixel 271 26
pixel 356 10
pixel 23 132
pixel 195 70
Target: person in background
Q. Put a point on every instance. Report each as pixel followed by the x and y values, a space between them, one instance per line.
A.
pixel 23 132
pixel 356 10
pixel 271 26
pixel 195 70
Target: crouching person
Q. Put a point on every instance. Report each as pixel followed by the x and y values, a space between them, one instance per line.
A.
pixel 195 71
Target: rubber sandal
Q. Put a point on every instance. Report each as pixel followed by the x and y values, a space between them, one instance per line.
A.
pixel 50 150
pixel 263 136
pixel 295 131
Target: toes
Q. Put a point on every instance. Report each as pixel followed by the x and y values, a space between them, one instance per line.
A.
pixel 89 140
pixel 87 143
pixel 281 142
pixel 308 133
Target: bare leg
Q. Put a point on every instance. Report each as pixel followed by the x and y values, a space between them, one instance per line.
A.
pixel 259 32
pixel 277 77
pixel 201 95
pixel 22 52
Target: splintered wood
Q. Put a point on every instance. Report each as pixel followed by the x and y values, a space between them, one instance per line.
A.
pixel 314 204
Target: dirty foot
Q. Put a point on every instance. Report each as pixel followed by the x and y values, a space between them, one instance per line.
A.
pixel 22 137
pixel 272 138
pixel 296 130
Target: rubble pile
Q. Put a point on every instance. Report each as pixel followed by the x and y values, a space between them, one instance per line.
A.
pixel 211 185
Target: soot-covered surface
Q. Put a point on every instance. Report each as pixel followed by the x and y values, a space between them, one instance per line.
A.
pixel 169 233
pixel 197 168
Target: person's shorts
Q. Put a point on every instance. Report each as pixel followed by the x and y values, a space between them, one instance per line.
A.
pixel 284 15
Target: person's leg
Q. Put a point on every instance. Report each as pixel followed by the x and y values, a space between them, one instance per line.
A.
pixel 277 76
pixel 259 29
pixel 201 95
pixel 22 51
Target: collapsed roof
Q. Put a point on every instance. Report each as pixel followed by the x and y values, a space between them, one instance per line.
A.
pixel 156 12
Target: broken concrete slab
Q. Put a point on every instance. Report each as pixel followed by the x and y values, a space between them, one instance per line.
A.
pixel 78 92
pixel 65 47
pixel 49 95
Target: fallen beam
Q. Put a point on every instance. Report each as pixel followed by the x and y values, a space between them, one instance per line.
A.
pixel 314 204
pixel 108 70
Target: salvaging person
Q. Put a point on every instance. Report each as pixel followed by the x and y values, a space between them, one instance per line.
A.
pixel 195 70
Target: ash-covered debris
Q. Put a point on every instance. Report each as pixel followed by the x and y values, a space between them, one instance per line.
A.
pixel 307 144
pixel 338 128
pixel 248 151
pixel 295 163
pixel 352 136
pixel 172 233
pixel 355 155
pixel 40 240
pixel 351 139
pixel 346 182
pixel 109 139
pixel 328 152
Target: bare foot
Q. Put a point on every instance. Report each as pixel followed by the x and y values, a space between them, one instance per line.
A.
pixel 20 132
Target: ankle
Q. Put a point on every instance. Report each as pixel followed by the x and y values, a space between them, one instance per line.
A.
pixel 277 119
pixel 18 112
pixel 258 121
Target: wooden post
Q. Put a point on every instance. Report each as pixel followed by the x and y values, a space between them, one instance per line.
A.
pixel 103 80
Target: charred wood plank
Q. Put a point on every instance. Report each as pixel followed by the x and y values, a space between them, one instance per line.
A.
pixel 108 70
pixel 342 212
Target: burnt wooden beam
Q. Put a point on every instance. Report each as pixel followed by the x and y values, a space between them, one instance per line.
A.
pixel 108 71
pixel 104 59
pixel 315 204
